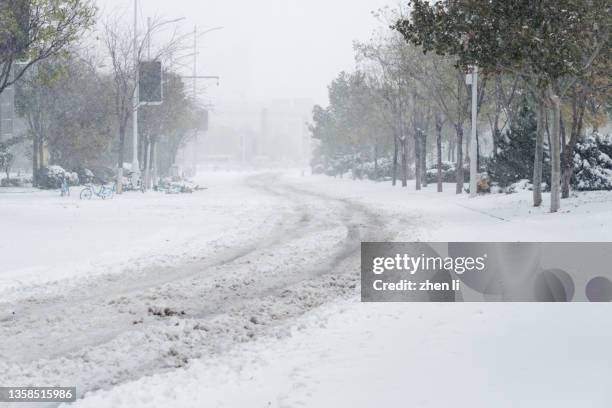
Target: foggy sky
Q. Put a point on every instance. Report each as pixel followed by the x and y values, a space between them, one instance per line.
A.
pixel 269 48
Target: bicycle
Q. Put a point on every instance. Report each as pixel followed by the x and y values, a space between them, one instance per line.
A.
pixel 103 191
pixel 135 183
pixel 168 188
pixel 64 187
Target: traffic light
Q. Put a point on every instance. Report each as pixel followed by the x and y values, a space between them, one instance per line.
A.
pixel 150 88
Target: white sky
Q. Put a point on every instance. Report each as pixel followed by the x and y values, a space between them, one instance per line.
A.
pixel 269 48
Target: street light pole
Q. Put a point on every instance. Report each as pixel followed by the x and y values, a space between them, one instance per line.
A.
pixel 195 95
pixel 473 144
pixel 135 98
pixel 195 77
pixel 195 60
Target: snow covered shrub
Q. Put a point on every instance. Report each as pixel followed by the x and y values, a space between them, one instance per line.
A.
pixel 515 152
pixel 520 185
pixel 449 174
pixel 318 168
pixel 593 164
pixel 354 164
pixel 85 175
pixel 379 171
pixel 51 177
pixel 338 165
pixel 104 174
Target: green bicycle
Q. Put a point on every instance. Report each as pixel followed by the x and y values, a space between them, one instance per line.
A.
pixel 103 191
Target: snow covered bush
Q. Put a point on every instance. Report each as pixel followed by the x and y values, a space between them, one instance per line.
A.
pixel 449 174
pixel 593 164
pixel 379 171
pixel 51 177
pixel 339 165
pixel 318 168
pixel 520 185
pixel 353 164
pixel 85 175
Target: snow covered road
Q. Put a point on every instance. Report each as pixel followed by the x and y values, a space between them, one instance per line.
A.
pixel 246 294
pixel 296 253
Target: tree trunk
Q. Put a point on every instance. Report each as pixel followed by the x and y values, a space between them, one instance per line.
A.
pixel 424 159
pixel 555 153
pixel 35 161
pixel 142 152
pixel 459 164
pixel 395 147
pixel 376 161
pixel 439 151
pixel 539 153
pixel 41 153
pixel 153 162
pixel 498 108
pixel 147 165
pixel 567 156
pixel 477 151
pixel 119 181
pixel 417 159
pixel 404 162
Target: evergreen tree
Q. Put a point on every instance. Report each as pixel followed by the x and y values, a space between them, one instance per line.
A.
pixel 593 164
pixel 516 147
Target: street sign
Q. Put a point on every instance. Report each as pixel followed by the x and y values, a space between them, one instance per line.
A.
pixel 150 90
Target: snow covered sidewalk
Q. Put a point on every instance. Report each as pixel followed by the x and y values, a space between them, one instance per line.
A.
pixel 446 216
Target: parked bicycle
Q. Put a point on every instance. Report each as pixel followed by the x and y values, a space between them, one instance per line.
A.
pixel 134 183
pixel 64 187
pixel 168 188
pixel 103 191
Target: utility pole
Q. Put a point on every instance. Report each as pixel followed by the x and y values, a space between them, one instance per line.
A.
pixel 147 158
pixel 135 99
pixel 194 76
pixel 473 144
pixel 195 60
pixel 195 94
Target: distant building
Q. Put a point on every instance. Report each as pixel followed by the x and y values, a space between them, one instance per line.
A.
pixel 7 113
pixel 261 133
pixel 12 125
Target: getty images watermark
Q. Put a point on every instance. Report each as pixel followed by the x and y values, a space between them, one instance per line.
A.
pixel 485 271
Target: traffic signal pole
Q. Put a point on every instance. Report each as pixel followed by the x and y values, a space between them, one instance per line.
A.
pixel 473 144
pixel 135 97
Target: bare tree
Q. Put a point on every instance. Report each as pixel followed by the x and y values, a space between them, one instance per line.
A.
pixel 124 52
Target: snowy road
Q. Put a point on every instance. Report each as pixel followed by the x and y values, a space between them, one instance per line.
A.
pixel 111 328
pixel 246 294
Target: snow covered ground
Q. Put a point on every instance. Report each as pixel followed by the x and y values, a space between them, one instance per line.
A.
pixel 54 239
pixel 266 314
pixel 410 355
pixel 446 216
